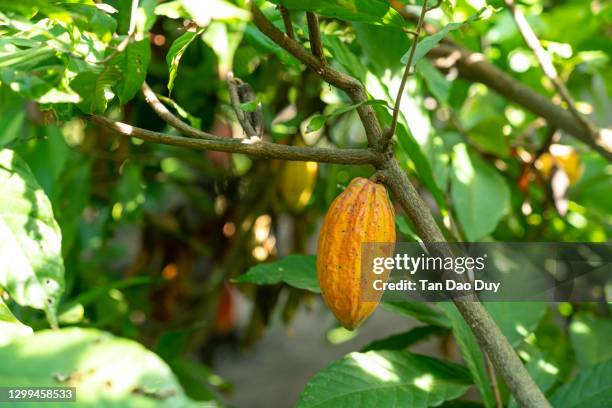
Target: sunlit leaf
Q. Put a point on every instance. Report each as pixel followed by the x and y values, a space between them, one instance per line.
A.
pixel 30 239
pixel 480 195
pixel 385 379
pixel 133 62
pixel 101 366
pixel 10 326
pixel 178 48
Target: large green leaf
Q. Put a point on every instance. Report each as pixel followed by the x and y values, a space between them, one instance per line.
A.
pixel 471 353
pixel 295 270
pixel 591 338
pixel 385 379
pixel 420 311
pixel 177 49
pixel 30 239
pixel 591 388
pixel 366 11
pixel 480 194
pixel 95 88
pixel 10 326
pixel 107 371
pixel 133 63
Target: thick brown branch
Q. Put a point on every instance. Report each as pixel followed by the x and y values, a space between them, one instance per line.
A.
pixel 474 67
pixel 314 35
pixel 252 147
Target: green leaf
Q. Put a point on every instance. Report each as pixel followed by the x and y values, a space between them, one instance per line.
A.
pixel 298 271
pixel 367 11
pixel 133 63
pixel 95 88
pixel 107 370
pixel 488 135
pixel 250 106
pixel 418 310
pixel 385 379
pixel 516 319
pixel 178 48
pixel 427 43
pixel 30 238
pixel 437 84
pixel 318 121
pixel 10 326
pixel 470 351
pixel 591 337
pixel 591 388
pixel 404 340
pixel 480 195
pixel 347 58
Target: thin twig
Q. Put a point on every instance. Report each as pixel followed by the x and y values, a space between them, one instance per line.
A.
pixel 158 107
pixel 547 65
pixel 493 377
pixel 253 146
pixel 243 117
pixel 130 36
pixel 396 109
pixel 314 35
pixel 287 22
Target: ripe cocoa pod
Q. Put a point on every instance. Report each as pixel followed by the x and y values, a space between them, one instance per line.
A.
pixel 361 214
pixel 297 183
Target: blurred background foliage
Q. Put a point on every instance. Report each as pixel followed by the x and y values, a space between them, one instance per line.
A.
pixel 151 235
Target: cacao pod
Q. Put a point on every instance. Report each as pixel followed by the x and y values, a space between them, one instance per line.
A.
pixel 297 183
pixel 563 157
pixel 361 214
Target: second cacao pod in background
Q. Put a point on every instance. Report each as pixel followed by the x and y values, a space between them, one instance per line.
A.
pixel 297 182
pixel 361 214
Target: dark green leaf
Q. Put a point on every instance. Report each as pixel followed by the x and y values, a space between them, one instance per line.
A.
pixel 298 271
pixel 318 121
pixel 480 195
pixel 591 388
pixel 94 88
pixel 133 62
pixel 404 340
pixel 471 353
pixel 418 310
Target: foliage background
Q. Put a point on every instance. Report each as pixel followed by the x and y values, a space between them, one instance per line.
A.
pixel 151 235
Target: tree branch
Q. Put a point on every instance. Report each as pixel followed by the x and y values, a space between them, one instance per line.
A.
pixel 168 117
pixel 475 68
pixel 252 147
pixel 389 134
pixel 348 84
pixel 314 34
pixel 488 335
pixel 287 22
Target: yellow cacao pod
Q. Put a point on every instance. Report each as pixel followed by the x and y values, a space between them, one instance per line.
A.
pixel 361 214
pixel 297 183
pixel 563 157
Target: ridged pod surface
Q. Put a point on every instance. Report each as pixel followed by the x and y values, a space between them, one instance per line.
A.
pixel 361 214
